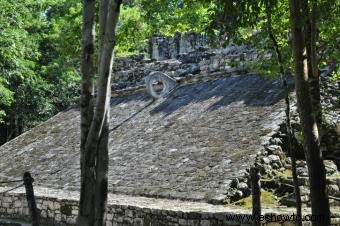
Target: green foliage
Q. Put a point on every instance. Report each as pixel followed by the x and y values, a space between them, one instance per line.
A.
pixel 171 16
pixel 18 49
pixel 132 32
pixel 6 99
pixel 256 35
pixel 329 32
pixel 268 199
pixel 227 16
pixel 35 37
pixel 246 22
pixel 61 48
pixel 335 76
pixel 140 19
pixel 32 102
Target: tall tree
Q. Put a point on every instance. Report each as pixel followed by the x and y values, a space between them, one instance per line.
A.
pixel 312 64
pixel 86 109
pixel 95 110
pixel 314 74
pixel 289 130
pixel 316 168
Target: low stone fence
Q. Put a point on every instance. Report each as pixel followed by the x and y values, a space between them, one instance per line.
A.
pixel 53 210
pixel 58 207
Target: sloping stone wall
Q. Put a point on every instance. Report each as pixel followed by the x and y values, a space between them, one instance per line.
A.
pixel 185 147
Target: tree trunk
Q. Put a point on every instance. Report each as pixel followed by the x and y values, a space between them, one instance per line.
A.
pixel 314 79
pixel 256 195
pixel 107 43
pixel 103 7
pixel 95 128
pixel 316 168
pixel 86 110
pixel 102 166
pixel 289 130
pixel 313 74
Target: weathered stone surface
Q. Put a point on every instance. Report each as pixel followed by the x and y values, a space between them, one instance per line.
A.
pixel 330 167
pixel 167 84
pixel 185 146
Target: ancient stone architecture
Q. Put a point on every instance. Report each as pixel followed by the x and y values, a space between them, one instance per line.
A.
pixel 130 71
pixel 174 160
pixel 167 84
pixel 162 47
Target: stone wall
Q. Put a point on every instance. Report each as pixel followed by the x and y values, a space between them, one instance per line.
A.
pixel 130 71
pixel 62 209
pixel 53 211
pixel 167 47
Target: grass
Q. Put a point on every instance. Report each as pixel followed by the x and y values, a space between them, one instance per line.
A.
pixel 267 200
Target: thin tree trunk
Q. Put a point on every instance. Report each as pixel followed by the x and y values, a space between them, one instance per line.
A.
pixel 101 186
pixel 107 43
pixel 314 79
pixel 16 126
pixel 313 74
pixel 102 166
pixel 256 195
pixel 283 76
pixel 95 157
pixel 103 7
pixel 86 109
pixel 316 168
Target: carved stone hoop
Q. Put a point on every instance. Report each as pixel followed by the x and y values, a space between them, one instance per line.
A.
pixel 159 84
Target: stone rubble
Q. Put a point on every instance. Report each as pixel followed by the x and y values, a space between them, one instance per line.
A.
pixel 130 71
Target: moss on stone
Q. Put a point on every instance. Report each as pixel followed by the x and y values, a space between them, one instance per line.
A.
pixel 299 137
pixel 268 199
pixel 287 173
pixel 334 176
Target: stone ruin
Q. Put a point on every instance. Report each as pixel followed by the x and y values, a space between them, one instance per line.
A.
pixel 164 47
pixel 166 83
pixel 175 160
pixel 181 56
